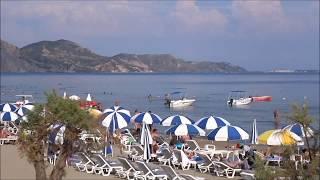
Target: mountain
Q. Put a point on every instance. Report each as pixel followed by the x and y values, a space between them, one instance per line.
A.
pixel 67 56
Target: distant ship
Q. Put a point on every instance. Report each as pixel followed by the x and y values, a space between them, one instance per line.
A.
pixel 283 71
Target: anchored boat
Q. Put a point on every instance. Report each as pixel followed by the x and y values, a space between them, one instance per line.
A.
pixel 238 98
pixel 182 101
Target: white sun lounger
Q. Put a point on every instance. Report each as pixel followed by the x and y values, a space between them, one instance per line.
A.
pixel 148 173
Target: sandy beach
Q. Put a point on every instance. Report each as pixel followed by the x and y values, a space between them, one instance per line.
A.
pixel 14 167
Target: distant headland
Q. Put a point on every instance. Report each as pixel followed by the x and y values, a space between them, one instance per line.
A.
pixel 67 56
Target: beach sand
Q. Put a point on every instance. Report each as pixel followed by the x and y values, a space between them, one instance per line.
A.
pixel 14 167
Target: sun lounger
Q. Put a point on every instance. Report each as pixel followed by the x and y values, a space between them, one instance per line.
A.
pixel 129 170
pixel 166 157
pixel 209 149
pixel 86 164
pixel 148 173
pixel 173 175
pixel 107 167
pixel 206 164
pixel 190 177
pixel 181 160
pixel 193 146
pixel 247 175
pixel 136 153
pixel 222 169
pixel 269 159
pixel 8 139
pixel 127 140
pixel 162 142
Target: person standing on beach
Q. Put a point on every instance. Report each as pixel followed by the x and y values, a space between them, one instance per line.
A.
pixel 276 117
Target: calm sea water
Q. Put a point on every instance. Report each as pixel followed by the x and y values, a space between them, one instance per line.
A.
pixel 210 90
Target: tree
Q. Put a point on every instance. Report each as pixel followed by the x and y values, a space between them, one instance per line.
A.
pixel 34 133
pixel 32 137
pixel 300 114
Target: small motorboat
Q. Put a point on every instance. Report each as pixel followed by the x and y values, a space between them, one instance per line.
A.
pixel 238 98
pixel 182 101
pixel 262 98
pixel 24 99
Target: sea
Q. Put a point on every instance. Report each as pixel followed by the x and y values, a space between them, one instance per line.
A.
pixel 211 90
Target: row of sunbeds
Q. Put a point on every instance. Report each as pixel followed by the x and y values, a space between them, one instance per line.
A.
pixel 126 169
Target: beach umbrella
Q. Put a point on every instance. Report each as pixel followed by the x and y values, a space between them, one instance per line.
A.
pixel 228 133
pixel 25 109
pixel 254 133
pixel 29 106
pixel 115 117
pixel 146 141
pixel 146 117
pixel 8 116
pixel 211 122
pixel 176 120
pixel 298 129
pixel 7 107
pixel 279 137
pixel 186 129
pixel 57 133
pixel 89 97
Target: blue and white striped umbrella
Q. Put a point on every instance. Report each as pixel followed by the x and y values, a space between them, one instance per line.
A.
pixel 176 120
pixel 186 129
pixel 254 133
pixel 29 106
pixel 56 135
pixel 116 117
pixel 298 129
pixel 7 107
pixel 211 122
pixel 146 117
pixel 146 141
pixel 22 111
pixel 228 133
pixel 8 116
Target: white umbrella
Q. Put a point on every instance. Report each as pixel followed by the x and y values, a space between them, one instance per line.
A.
pixel 57 133
pixel 116 117
pixel 299 130
pixel 228 133
pixel 176 120
pixel 8 116
pixel 254 133
pixel 146 117
pixel 146 141
pixel 211 122
pixel 89 97
pixel 7 107
pixel 186 129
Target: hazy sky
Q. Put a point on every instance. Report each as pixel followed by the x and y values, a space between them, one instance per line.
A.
pixel 257 35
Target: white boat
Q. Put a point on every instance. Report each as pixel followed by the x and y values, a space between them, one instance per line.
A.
pixel 238 98
pixel 178 102
pixel 23 99
pixel 181 102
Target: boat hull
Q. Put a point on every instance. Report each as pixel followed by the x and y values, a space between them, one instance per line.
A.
pixel 262 98
pixel 182 103
pixel 239 102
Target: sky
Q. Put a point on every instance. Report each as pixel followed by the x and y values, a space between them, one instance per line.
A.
pixel 257 35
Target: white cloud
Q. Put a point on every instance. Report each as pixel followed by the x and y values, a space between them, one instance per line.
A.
pixel 84 18
pixel 264 16
pixel 188 15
